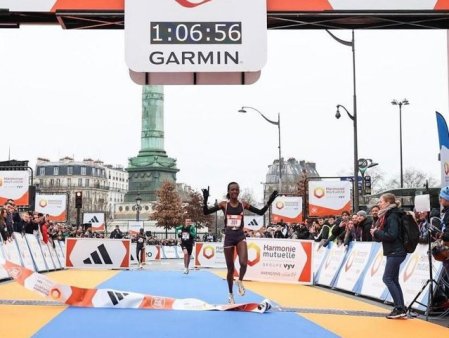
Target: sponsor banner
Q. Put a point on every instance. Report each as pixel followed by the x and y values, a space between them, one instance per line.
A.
pixel 36 252
pixel 25 254
pixel 281 260
pixel 169 252
pixel 134 227
pixel 287 209
pixel 11 252
pixel 355 264
pixel 253 222
pixel 329 198
pixel 444 161
pixel 3 272
pixel 110 298
pixel 414 274
pixel 272 5
pixel 319 255
pixel 62 245
pixel 54 255
pixel 331 265
pixel 60 254
pixel 53 205
pixel 96 220
pixel 47 256
pixel 14 185
pixel 152 253
pixel 209 255
pixel 372 284
pixel 96 253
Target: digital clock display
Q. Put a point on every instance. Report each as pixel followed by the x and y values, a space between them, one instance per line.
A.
pixel 196 33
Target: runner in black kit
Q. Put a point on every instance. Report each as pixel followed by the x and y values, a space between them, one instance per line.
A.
pixel 188 234
pixel 234 235
pixel 140 247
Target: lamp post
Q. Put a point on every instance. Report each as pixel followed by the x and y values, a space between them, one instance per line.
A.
pixel 216 219
pixel 278 124
pixel 138 201
pixel 404 102
pixel 353 117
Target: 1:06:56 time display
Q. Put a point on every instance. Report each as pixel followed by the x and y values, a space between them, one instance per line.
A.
pixel 196 33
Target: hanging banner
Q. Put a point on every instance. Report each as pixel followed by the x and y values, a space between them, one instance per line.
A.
pixel 287 209
pixel 96 220
pixel 209 255
pixel 280 260
pixel 97 253
pixel 14 185
pixel 55 206
pixel 110 298
pixel 328 198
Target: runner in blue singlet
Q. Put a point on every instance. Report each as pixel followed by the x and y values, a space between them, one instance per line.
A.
pixel 234 236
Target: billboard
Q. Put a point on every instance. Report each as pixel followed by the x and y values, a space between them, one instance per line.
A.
pixel 287 209
pixel 96 219
pixel 329 198
pixel 14 185
pixel 53 205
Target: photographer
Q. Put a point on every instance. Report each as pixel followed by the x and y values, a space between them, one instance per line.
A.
pixel 116 233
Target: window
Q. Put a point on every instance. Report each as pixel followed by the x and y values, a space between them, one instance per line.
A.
pixel 83 170
pixel 69 182
pixel 55 171
pixel 69 170
pixel 80 182
pixel 58 182
pixel 87 182
pixel 42 171
pixel 52 182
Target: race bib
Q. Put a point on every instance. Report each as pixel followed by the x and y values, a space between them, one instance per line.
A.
pixel 140 240
pixel 185 236
pixel 234 221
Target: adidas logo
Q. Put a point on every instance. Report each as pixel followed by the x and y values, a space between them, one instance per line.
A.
pixel 116 297
pixel 94 220
pixel 95 256
pixel 253 222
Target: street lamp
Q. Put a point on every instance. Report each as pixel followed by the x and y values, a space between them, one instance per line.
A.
pixel 278 124
pixel 216 219
pixel 400 104
pixel 138 201
pixel 353 117
pixel 356 156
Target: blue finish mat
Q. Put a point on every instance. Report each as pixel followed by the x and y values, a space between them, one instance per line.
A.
pixel 89 322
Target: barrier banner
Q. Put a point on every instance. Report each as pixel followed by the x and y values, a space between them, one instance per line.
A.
pixel 331 265
pixel 27 259
pixel 55 206
pixel 47 256
pixel 62 245
pixel 319 255
pixel 59 254
pixel 280 260
pixel 209 255
pixel 152 253
pixel 287 209
pixel 413 275
pixel 329 198
pixel 14 185
pixel 36 252
pixel 3 272
pixel 54 255
pixel 110 298
pixel 11 252
pixel 96 220
pixel 169 252
pixel 96 253
pixel 372 284
pixel 354 266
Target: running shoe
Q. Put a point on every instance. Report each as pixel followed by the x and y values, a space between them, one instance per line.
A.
pixel 231 299
pixel 140 266
pixel 241 287
pixel 397 313
pixel 186 271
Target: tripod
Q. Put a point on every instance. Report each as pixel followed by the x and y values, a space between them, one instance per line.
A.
pixel 430 227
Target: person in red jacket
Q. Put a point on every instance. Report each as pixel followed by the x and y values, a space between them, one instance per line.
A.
pixel 43 227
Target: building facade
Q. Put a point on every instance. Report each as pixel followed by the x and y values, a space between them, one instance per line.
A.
pixel 118 186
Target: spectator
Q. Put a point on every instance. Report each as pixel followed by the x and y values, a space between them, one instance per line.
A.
pixel 116 233
pixel 364 224
pixel 3 230
pixel 43 226
pixel 374 212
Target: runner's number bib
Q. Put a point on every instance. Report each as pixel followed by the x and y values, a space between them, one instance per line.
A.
pixel 185 236
pixel 234 221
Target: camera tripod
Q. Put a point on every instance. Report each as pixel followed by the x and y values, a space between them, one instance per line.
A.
pixel 430 281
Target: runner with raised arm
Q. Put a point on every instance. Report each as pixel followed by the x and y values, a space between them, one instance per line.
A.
pixel 234 236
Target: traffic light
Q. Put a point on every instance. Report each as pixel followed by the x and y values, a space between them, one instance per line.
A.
pixel 79 199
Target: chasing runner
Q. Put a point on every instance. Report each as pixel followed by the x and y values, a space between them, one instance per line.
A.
pixel 188 235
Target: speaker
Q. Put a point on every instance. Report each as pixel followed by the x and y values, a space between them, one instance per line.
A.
pixel 31 197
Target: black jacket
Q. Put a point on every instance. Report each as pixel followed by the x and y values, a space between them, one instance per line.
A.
pixel 390 235
pixel 365 227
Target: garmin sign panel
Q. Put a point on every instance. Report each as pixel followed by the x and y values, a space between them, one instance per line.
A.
pixel 195 35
